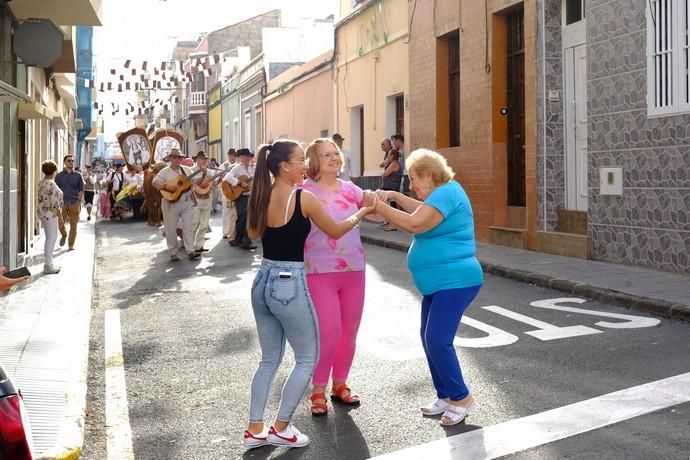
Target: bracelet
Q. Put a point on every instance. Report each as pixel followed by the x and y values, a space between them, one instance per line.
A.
pixel 354 220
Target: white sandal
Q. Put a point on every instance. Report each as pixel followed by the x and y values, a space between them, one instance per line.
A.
pixel 436 408
pixel 457 414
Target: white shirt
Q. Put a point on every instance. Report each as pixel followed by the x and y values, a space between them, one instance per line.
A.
pixel 235 173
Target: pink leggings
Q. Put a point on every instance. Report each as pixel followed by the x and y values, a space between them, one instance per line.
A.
pixel 339 301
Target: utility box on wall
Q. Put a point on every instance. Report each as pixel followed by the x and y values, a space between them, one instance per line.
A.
pixel 611 181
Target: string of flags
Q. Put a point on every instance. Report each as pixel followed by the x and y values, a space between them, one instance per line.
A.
pixel 170 74
pixel 135 109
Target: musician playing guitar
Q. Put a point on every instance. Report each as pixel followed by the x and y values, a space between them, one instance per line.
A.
pixel 180 209
pixel 241 175
pixel 202 193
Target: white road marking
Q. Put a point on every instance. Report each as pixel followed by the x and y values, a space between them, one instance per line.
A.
pixel 539 429
pixel 546 331
pixel 631 321
pixel 118 430
pixel 496 337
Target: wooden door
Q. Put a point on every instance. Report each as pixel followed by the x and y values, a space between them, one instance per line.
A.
pixel 516 109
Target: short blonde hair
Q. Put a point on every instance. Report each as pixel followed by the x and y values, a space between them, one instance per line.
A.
pixel 431 164
pixel 314 160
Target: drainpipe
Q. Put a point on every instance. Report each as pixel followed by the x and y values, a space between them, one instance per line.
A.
pixel 543 76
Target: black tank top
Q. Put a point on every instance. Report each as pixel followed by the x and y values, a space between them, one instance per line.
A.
pixel 286 243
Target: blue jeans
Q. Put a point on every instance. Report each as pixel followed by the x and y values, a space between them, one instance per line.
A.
pixel 283 310
pixel 441 314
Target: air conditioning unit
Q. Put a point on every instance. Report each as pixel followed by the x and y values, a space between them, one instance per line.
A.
pixel 78 123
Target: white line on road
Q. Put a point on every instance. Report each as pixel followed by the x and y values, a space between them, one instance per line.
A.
pixel 118 430
pixel 538 429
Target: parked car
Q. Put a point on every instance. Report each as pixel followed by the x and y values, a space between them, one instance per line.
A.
pixel 16 442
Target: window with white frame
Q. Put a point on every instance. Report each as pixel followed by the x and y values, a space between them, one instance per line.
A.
pixel 668 86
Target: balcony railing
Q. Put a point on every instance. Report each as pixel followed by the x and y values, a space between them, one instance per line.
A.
pixel 197 98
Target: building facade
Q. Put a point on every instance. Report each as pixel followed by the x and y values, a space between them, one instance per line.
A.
pixel 473 99
pixel 371 81
pixel 251 87
pixel 230 116
pixel 299 102
pixel 614 125
pixel 38 111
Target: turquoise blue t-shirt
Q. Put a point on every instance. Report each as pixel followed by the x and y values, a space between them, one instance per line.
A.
pixel 445 256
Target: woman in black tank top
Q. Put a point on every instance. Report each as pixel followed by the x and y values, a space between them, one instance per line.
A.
pixel 282 216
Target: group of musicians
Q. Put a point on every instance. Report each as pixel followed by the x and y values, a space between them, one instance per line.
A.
pixel 187 199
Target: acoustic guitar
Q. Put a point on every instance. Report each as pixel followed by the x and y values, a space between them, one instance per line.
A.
pixel 181 183
pixel 233 192
pixel 204 186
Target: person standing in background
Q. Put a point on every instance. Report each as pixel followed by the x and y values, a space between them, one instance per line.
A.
pixel 72 185
pixel 115 181
pixel 202 194
pixel 346 173
pixel 49 204
pixel 399 145
pixel 242 169
pixel 89 190
pixel 229 210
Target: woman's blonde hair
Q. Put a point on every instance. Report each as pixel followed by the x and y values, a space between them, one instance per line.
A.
pixel 425 162
pixel 314 160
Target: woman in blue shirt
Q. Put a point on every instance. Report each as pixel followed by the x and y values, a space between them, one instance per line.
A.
pixel 444 268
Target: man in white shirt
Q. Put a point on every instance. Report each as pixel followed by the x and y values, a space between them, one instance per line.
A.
pixel 241 169
pixel 347 158
pixel 202 194
pixel 229 211
pixel 179 210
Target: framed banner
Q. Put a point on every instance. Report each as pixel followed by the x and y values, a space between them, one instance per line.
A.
pixel 135 147
pixel 163 141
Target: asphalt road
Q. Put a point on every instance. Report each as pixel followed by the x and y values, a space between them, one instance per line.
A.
pixel 190 348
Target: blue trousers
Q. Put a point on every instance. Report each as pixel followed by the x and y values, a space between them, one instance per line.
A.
pixel 441 314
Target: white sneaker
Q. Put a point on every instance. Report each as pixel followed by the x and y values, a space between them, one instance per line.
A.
pixel 290 437
pixel 252 441
pixel 49 269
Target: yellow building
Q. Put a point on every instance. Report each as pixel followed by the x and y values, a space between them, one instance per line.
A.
pixel 215 126
pixel 371 79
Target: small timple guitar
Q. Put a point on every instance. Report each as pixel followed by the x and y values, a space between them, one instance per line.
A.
pixel 181 183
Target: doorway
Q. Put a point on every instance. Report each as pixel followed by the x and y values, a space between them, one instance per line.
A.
pixel 22 190
pixel 575 102
pixel 516 108
pixel 357 141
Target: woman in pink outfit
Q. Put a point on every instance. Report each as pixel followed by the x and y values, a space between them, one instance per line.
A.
pixel 335 275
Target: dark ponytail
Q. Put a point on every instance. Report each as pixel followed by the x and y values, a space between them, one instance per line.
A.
pixel 267 164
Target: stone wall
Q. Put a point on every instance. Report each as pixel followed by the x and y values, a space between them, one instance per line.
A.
pixel 649 224
pixel 550 147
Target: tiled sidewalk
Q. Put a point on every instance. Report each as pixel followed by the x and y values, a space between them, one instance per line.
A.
pixel 44 341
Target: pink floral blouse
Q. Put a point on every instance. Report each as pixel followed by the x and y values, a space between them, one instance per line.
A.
pixel 323 254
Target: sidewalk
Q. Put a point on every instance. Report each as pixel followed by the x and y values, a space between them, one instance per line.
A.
pixel 44 344
pixel 661 293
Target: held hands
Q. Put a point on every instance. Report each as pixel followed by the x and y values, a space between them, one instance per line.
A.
pixel 370 201
pixel 385 195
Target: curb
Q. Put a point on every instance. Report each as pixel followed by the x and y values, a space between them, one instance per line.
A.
pixel 659 307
